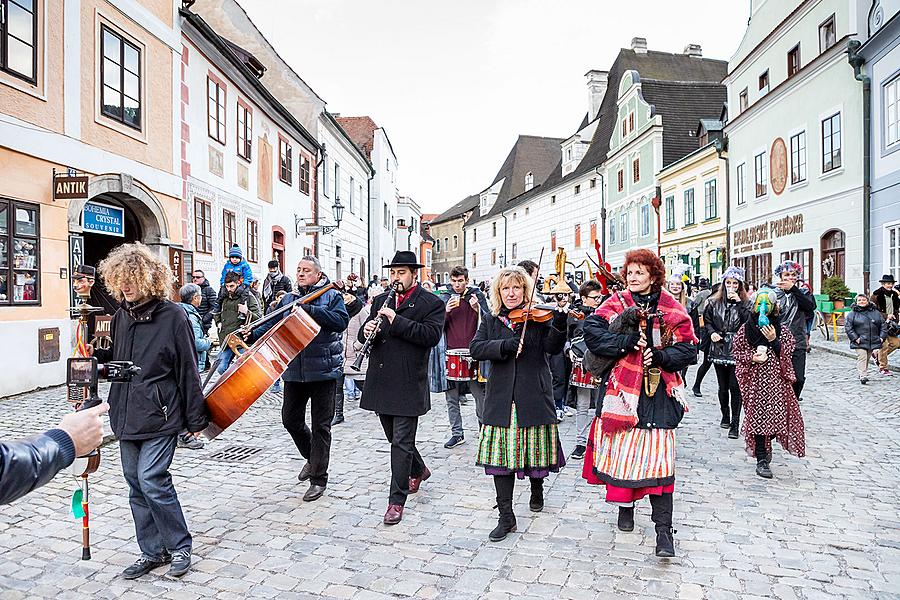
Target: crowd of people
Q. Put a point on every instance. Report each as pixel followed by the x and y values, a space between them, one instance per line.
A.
pixel 614 355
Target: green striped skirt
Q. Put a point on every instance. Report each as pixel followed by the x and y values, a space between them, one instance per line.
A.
pixel 525 452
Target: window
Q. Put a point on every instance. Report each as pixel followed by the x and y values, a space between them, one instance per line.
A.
pixel 760 173
pixel 645 220
pixel 798 157
pixel 474 260
pixel 631 121
pixel 350 191
pixel 304 174
pixel 891 103
pixel 892 250
pixel 18 38
pixel 577 189
pixel 831 143
pixel 739 184
pixel 593 183
pixel 793 60
pixel 568 154
pixel 252 241
pixel 202 226
pixel 744 102
pixel 120 73
pixel 285 171
pixel 612 230
pixel 446 244
pixel 337 182
pixel 244 130
pixel 593 231
pixel 529 180
pixel 802 257
pixel 455 242
pixel 19 274
pixel 764 82
pixel 827 34
pixel 689 207
pixel 710 204
pixel 493 256
pixel 621 179
pixel 215 110
pixel 757 268
pixel 578 235
pixel 494 229
pixel 553 241
pixel 623 227
pixel 229 231
pixel 624 127
pixel 384 216
pixel 636 170
pixel 437 246
pixel 514 250
pixel 670 213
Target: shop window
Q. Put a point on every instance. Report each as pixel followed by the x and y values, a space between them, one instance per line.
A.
pixel 757 269
pixel 803 258
pixel 19 253
pixel 18 38
pixel 120 72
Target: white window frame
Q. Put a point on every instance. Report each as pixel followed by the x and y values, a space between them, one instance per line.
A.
pixel 765 173
pixel 803 154
pixel 893 269
pixel 740 176
pixel 715 203
pixel 891 142
pixel 839 113
pixel 645 220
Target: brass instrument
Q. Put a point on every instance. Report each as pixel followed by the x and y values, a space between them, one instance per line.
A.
pixel 556 284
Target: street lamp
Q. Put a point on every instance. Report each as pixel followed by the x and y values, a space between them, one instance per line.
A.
pixel 337 212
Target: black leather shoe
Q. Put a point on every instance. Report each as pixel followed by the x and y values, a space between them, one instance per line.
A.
pixel 697 392
pixel 626 518
pixel 314 492
pixel 665 542
pixel 763 470
pixel 726 423
pixel 142 566
pixel 337 420
pixel 505 526
pixel 733 432
pixel 181 563
pixel 304 472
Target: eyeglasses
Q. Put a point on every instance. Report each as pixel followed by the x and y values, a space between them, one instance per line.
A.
pixel 595 297
pixel 196 276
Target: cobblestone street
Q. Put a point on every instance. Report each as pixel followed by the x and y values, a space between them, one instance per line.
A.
pixel 825 527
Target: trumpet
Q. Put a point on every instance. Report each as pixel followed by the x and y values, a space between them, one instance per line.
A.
pixel 370 339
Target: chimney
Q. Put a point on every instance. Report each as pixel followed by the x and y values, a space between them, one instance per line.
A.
pixel 597 82
pixel 639 45
pixel 693 50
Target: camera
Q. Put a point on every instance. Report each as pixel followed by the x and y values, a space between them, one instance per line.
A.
pixel 83 373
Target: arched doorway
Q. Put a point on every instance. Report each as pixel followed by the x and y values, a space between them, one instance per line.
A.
pixel 833 254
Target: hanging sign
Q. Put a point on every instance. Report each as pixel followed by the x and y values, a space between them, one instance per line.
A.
pixel 102 218
pixel 70 187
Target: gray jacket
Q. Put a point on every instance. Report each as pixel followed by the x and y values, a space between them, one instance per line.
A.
pixel 865 327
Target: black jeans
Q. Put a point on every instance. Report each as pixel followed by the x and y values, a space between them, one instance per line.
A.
pixel 702 370
pixel 728 384
pixel 559 371
pixel 798 360
pixel 315 444
pixel 406 461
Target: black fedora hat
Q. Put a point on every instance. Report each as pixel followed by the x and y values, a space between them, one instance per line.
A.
pixel 404 258
pixel 887 279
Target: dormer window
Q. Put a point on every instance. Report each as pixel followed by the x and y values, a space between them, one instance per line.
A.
pixel 529 180
pixel 568 153
pixel 764 83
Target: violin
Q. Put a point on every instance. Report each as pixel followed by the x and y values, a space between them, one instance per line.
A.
pixel 540 313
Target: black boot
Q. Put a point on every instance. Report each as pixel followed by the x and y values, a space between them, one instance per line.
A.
pixel 726 413
pixel 536 503
pixel 506 524
pixel 762 468
pixel 661 515
pixel 626 518
pixel 338 404
pixel 733 431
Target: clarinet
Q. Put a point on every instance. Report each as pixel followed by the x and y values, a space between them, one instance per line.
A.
pixel 370 339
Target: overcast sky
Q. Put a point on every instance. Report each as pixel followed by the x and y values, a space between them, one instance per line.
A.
pixel 454 82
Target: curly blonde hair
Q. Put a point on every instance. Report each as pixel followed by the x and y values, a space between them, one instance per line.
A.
pixel 516 274
pixel 138 265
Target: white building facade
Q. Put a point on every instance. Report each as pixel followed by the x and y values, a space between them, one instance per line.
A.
pixel 408 229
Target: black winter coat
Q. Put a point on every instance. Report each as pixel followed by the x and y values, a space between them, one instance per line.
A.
pixel 724 318
pixel 208 304
pixel 323 357
pixel 524 380
pixel 879 298
pixel 397 378
pixel 26 465
pixel 165 397
pixel 865 327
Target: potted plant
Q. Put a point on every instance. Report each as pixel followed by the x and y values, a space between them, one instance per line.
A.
pixel 836 290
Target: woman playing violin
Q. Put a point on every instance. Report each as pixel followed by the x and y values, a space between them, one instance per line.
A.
pixel 520 436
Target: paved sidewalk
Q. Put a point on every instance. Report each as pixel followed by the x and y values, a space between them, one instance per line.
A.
pixel 827 526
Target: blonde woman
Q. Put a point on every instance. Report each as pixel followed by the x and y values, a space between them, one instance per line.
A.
pixel 163 399
pixel 519 437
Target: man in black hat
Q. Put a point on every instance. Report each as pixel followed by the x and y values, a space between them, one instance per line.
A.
pixel 397 378
pixel 887 301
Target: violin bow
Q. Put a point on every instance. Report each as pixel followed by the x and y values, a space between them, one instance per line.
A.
pixel 530 303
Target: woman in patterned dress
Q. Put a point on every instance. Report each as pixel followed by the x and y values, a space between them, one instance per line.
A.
pixel 631 444
pixel 765 374
pixel 519 437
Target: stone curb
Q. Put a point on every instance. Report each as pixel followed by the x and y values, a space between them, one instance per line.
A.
pixel 833 348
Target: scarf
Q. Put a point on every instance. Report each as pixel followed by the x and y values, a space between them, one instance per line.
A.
pixel 754 334
pixel 269 281
pixel 620 402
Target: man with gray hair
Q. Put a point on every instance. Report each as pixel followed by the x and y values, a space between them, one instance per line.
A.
pixel 312 376
pixel 191 296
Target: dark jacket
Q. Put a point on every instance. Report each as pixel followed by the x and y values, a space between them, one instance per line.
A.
pixel 865 327
pixel 724 318
pixel 796 307
pixel 524 380
pixel 281 284
pixel 660 411
pixel 207 304
pixel 228 317
pixel 165 397
pixel 397 379
pixel 879 298
pixel 26 465
pixel 323 357
pixel 696 308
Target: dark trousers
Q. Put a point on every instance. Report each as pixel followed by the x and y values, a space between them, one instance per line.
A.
pixel 798 360
pixel 315 444
pixel 728 386
pixel 702 370
pixel 559 371
pixel 406 461
pixel 760 451
pixel 159 523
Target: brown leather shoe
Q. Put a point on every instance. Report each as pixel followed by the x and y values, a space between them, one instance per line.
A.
pixel 394 514
pixel 415 482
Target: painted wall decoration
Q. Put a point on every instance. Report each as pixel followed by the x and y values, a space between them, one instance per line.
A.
pixel 264 174
pixel 778 166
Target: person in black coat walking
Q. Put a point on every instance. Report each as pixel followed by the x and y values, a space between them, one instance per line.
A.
pixel 397 379
pixel 208 297
pixel 520 436
pixel 147 413
pixel 866 331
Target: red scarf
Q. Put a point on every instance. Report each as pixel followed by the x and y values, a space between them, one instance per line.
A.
pixel 620 402
pixel 401 298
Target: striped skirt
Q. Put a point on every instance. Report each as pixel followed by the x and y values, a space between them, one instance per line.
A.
pixel 525 452
pixel 634 458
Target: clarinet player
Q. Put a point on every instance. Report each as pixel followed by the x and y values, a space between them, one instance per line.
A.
pixel 403 332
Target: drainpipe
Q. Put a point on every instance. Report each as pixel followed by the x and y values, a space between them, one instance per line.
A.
pixel 505 255
pixel 857 62
pixel 656 202
pixel 602 211
pixel 316 202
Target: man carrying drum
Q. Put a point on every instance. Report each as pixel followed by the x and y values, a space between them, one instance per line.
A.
pixel 586 389
pixel 463 310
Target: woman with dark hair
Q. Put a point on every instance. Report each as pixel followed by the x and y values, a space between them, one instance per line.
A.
pixel 762 352
pixel 631 443
pixel 519 437
pixel 725 312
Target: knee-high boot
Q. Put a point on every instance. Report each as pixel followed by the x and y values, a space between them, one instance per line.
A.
pixel 723 404
pixel 338 404
pixel 536 503
pixel 735 416
pixel 661 515
pixel 506 524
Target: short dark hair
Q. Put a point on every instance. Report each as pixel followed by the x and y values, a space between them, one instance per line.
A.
pixel 459 271
pixel 273 264
pixel 591 285
pixel 202 274
pixel 233 276
pixel 530 267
